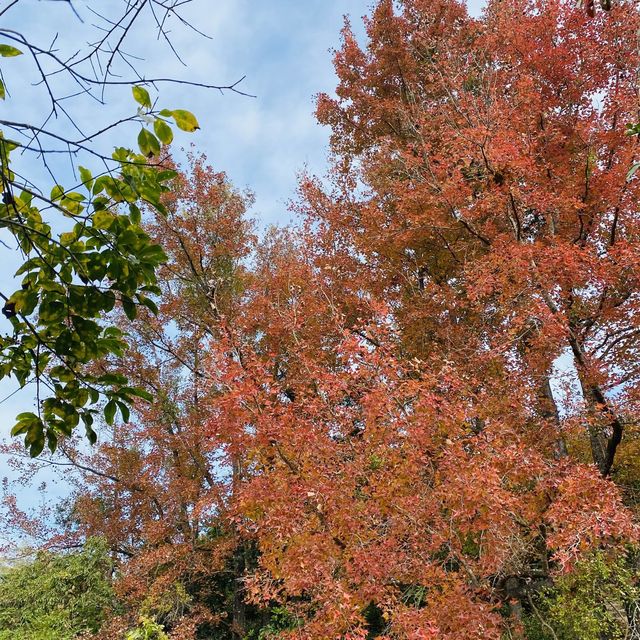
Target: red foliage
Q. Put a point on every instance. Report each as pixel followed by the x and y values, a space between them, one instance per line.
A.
pixel 367 403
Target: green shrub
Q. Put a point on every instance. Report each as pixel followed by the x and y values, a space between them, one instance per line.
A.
pixel 595 601
pixel 56 596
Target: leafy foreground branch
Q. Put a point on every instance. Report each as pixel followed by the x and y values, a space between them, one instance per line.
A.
pixel 83 247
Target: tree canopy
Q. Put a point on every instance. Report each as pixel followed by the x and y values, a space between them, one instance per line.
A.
pixel 359 426
pixel 56 597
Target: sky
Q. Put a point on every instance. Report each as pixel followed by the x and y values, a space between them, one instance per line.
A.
pixel 282 47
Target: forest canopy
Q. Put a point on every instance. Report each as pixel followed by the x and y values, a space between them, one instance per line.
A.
pixel 411 415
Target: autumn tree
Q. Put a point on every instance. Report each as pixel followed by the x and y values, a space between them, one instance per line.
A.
pixel 159 485
pixel 481 225
pixel 498 176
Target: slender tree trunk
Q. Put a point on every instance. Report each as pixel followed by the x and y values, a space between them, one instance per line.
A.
pixel 605 426
pixel 549 411
pixel 239 608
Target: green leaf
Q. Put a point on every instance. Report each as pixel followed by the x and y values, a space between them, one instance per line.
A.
pixel 74 195
pixel 27 416
pixel 24 301
pixel 7 51
pixel 37 445
pixel 633 129
pixel 57 193
pixel 153 253
pixel 141 96
pixel 166 174
pixel 124 410
pixel 138 393
pixel 129 308
pixel 72 202
pixel 632 172
pixel 52 441
pixel 62 373
pixel 2 91
pixel 25 422
pixel 86 177
pixel 92 436
pixel 26 197
pixel 112 378
pixel 185 120
pixel 150 304
pixel 103 219
pixel 67 238
pixel 163 131
pixel 148 143
pixel 135 214
pixel 110 411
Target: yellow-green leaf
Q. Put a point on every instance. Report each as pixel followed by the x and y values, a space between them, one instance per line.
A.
pixel 7 51
pixel 141 96
pixel 185 120
pixel 72 205
pixel 163 131
pixel 86 177
pixel 57 193
pixel 103 219
pixel 67 238
pixel 148 143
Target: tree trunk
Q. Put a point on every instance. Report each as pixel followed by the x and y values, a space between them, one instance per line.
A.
pixel 549 411
pixel 605 426
pixel 239 607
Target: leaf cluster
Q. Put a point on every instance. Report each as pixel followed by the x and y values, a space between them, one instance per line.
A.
pixel 598 599
pixel 72 280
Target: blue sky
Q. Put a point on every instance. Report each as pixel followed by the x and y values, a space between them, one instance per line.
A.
pixel 281 46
